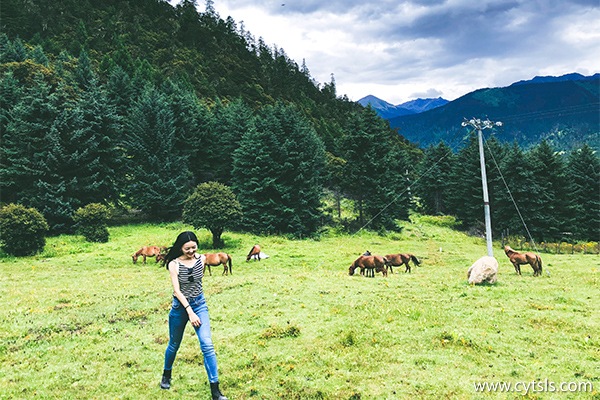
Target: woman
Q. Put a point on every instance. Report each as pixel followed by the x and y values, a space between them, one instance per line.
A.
pixel 186 268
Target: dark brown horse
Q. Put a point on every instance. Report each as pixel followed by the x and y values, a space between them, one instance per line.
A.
pixel 148 251
pixel 370 264
pixel 517 259
pixel 396 260
pixel 214 259
pixel 254 252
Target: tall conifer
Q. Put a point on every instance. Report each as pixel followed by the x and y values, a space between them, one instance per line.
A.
pixel 374 172
pixel 549 171
pixel 583 171
pixel 277 173
pixel 465 195
pixel 516 208
pixel 24 140
pixel 158 176
pixel 434 182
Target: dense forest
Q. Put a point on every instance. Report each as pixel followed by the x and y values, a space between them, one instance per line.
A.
pixel 134 103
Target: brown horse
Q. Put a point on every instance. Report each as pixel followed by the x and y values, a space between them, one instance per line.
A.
pixel 396 260
pixel 149 251
pixel 517 259
pixel 254 252
pixel 371 264
pixel 214 259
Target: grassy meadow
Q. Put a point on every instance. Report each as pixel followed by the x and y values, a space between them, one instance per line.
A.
pixel 81 321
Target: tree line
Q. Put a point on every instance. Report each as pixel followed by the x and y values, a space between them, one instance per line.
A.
pixel 539 193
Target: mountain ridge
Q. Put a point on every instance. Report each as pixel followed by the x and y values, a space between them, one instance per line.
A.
pixel 387 110
pixel 564 110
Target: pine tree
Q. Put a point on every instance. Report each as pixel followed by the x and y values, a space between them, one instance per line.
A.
pixel 10 150
pixel 23 141
pixel 434 173
pixel 84 74
pixel 374 172
pixel 51 195
pixel 100 180
pixel 550 174
pixel 192 122
pixel 158 177
pixel 277 173
pixel 465 196
pixel 228 125
pixel 5 45
pixel 120 92
pixel 16 52
pixel 39 56
pixel 583 171
pixel 82 162
pixel 516 208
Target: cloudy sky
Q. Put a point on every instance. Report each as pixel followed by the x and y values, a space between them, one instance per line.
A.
pixel 400 50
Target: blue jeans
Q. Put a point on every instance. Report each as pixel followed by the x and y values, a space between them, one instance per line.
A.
pixel 178 319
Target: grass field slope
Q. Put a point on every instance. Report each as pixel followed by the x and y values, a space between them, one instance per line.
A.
pixel 81 321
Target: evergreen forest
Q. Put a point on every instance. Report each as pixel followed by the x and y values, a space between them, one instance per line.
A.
pixel 134 103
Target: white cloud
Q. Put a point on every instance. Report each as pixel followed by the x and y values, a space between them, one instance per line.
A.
pixel 400 50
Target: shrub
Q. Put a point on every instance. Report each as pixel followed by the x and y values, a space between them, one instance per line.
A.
pixel 212 206
pixel 446 221
pixel 22 230
pixel 92 222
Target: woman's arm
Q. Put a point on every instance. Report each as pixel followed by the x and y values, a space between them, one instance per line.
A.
pixel 173 272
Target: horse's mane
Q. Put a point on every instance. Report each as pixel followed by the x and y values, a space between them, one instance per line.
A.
pixel 508 250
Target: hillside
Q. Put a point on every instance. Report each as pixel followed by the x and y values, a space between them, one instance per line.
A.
pixel 154 40
pixel 563 111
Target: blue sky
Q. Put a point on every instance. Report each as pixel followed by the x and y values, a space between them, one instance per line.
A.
pixel 401 50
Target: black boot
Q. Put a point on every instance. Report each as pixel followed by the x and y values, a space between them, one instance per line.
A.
pixel 165 382
pixel 215 392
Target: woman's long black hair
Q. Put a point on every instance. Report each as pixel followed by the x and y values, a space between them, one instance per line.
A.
pixel 175 250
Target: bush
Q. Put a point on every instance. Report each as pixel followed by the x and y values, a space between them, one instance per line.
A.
pixel 212 206
pixel 92 222
pixel 445 221
pixel 22 230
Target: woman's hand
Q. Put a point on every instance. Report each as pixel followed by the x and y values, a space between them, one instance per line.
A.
pixel 194 319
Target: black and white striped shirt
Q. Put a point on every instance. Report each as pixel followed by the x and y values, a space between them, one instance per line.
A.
pixel 190 278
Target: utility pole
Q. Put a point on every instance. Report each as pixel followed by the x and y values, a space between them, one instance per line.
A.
pixel 481 125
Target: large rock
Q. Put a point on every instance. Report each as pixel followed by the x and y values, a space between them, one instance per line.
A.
pixel 483 270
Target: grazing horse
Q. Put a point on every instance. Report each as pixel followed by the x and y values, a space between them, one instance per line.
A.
pixel 148 251
pixel 517 259
pixel 371 264
pixel 214 259
pixel 396 260
pixel 255 251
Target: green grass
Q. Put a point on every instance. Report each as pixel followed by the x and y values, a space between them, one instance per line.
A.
pixel 81 321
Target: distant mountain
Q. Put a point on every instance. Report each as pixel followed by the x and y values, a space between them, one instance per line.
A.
pixel 422 105
pixel 564 110
pixel 563 78
pixel 389 111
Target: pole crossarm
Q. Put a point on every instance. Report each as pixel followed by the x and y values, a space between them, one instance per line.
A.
pixel 479 124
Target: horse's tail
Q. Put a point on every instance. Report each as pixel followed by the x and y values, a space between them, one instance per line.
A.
pixel 229 261
pixel 539 260
pixel 415 259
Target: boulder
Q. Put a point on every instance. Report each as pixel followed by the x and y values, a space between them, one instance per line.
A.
pixel 483 270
